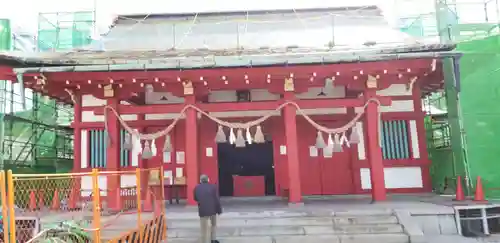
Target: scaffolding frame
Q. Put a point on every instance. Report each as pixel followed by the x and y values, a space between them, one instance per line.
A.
pixel 35 133
pixel 65 30
pixel 36 138
pixel 457 28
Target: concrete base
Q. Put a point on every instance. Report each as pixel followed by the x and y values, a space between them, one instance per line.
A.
pixel 410 227
pixel 296 205
pixel 191 207
pixel 378 202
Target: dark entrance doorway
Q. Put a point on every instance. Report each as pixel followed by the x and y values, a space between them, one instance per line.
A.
pixel 252 160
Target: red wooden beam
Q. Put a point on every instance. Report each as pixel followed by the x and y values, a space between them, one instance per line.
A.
pixel 242 106
pixel 213 77
pixel 6 73
pixel 166 122
pixel 339 117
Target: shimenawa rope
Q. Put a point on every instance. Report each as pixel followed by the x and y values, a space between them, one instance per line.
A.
pixel 235 125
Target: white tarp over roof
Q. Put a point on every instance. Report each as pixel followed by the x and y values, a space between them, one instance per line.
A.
pixel 108 9
pixel 309 28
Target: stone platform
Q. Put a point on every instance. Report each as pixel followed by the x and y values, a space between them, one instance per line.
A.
pixel 344 219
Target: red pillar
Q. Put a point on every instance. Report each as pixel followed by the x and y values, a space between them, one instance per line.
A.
pixel 422 143
pixel 77 142
pixel 191 153
pixel 374 150
pixel 77 134
pixel 290 119
pixel 113 152
pixel 143 163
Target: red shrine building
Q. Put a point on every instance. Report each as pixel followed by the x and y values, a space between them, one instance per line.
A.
pixel 254 110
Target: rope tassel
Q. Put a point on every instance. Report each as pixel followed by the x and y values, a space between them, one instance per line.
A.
pixel 137 146
pixel 153 148
pixel 248 136
pixel 337 146
pixel 167 146
pixel 240 141
pixel 259 136
pixel 127 142
pixel 328 148
pixel 146 152
pixel 344 140
pixel 220 137
pixel 354 137
pixel 320 141
pixel 330 140
pixel 232 137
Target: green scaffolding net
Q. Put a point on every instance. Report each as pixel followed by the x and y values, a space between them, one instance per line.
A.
pixel 461 139
pixel 477 130
pixel 480 112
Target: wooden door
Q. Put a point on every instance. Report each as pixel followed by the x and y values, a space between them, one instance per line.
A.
pixel 336 171
pixel 169 161
pixel 309 161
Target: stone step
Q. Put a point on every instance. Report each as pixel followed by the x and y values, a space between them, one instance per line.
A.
pixel 264 214
pixel 290 221
pixel 290 230
pixel 367 238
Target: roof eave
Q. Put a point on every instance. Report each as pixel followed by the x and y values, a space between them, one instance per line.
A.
pixel 233 62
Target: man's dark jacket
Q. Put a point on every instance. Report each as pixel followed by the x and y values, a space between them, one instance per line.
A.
pixel 208 200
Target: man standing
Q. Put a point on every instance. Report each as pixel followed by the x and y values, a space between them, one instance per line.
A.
pixel 208 208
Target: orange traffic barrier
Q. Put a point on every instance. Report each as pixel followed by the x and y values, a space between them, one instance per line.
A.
pixel 41 202
pixel 460 191
pixel 72 199
pixel 148 203
pixel 32 204
pixel 56 203
pixel 479 195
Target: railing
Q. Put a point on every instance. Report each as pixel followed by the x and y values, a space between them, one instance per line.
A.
pixel 440 136
pixel 46 206
pixel 154 231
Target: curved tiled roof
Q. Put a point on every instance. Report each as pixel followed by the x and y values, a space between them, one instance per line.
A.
pixel 148 60
pixel 241 39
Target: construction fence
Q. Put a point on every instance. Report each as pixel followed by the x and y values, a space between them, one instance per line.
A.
pixel 98 206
